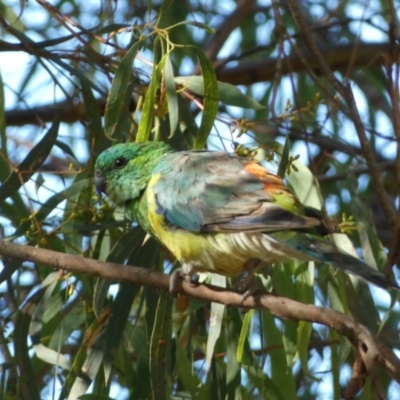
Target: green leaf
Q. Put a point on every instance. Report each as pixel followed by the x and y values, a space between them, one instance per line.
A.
pixel 48 286
pixel 146 120
pixel 335 363
pixel 28 382
pixel 160 343
pixel 284 286
pixel 119 92
pixel 200 25
pixel 172 98
pixel 94 396
pixel 280 373
pixel 185 371
pixel 9 267
pixel 81 75
pixel 86 363
pixel 304 275
pixel 40 315
pixel 126 245
pixel 112 28
pixel 304 330
pixel 216 318
pixel 3 137
pixel 51 203
pixel 51 356
pixel 94 124
pixel 71 222
pixel 305 185
pixel 228 94
pixel 210 103
pixel 358 296
pixel 243 335
pixel 265 385
pixel 119 314
pixel 284 158
pixel 66 149
pixel 10 15
pixel 141 383
pixel 233 325
pixel 31 163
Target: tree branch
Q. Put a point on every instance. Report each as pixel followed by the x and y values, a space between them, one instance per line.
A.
pixel 231 22
pixel 383 166
pixel 374 351
pixel 246 73
pixel 393 77
pixel 336 57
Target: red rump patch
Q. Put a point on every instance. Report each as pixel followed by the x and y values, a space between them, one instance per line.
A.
pixel 272 183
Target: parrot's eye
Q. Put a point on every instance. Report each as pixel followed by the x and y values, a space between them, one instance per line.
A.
pixel 120 162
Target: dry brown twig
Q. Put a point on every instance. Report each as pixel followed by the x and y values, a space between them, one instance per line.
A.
pixel 231 22
pixel 372 350
pixel 392 64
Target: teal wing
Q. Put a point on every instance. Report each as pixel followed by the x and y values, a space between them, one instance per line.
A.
pixel 203 191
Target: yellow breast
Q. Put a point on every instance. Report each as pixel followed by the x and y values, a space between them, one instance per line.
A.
pixel 183 244
pixel 223 253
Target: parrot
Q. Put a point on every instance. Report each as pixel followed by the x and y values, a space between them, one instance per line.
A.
pixel 218 212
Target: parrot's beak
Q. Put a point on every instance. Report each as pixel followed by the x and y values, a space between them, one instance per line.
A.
pixel 100 182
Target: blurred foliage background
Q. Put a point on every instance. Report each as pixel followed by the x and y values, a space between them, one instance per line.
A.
pixel 78 76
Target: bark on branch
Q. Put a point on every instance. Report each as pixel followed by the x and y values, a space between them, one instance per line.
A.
pixel 246 73
pixel 337 58
pixel 372 350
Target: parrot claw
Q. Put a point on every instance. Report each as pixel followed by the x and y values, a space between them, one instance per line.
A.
pixel 248 285
pixel 249 292
pixel 180 274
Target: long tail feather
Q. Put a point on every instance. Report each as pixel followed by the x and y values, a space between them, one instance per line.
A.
pixel 327 252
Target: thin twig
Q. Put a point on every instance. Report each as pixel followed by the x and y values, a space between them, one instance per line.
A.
pixel 347 95
pixel 383 166
pixel 393 76
pixel 231 22
pixel 336 56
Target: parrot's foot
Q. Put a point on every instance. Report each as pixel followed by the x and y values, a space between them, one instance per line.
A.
pixel 248 285
pixel 179 273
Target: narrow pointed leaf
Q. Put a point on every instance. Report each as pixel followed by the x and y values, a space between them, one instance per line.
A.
pixel 119 90
pixel 216 317
pixel 185 371
pixel 172 98
pixel 31 163
pixel 305 186
pixel 284 158
pixel 3 137
pixel 303 338
pixel 146 120
pixel 28 383
pixel 244 334
pixel 160 341
pixel 210 103
pixel 228 94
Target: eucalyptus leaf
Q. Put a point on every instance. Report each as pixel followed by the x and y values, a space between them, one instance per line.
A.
pixel 171 96
pixel 120 90
pixel 305 185
pixel 228 94
pixel 217 313
pixel 210 93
